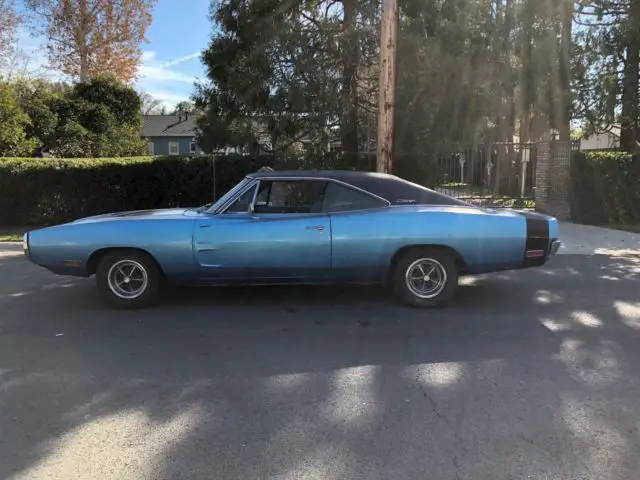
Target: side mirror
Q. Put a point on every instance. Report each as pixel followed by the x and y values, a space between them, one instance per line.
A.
pixel 251 210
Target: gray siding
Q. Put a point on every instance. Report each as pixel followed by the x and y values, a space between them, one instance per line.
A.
pixel 161 145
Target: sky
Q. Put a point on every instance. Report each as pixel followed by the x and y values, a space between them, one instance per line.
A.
pixel 171 58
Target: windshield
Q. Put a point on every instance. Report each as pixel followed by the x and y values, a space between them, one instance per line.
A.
pixel 222 200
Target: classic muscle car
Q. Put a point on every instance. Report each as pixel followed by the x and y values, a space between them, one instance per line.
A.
pixel 306 227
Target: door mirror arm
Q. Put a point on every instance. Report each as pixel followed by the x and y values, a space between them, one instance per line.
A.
pixel 251 211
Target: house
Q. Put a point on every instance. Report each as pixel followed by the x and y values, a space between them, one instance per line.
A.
pixel 176 135
pixel 170 134
pixel 602 141
pixel 608 139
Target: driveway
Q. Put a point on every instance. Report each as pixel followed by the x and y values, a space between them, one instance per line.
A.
pixel 531 374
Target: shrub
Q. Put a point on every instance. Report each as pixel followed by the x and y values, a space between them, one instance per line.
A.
pixel 48 191
pixel 605 188
pixel 45 191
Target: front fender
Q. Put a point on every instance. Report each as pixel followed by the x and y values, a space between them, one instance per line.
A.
pixel 66 249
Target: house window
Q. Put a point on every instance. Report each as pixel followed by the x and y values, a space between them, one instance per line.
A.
pixel 174 148
pixel 192 147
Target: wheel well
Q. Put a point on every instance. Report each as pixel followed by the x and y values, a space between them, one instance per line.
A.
pixel 457 257
pixel 96 257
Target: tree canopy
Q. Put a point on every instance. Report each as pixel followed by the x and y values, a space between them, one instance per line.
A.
pixel 97 118
pixel 9 21
pixel 607 67
pixel 90 38
pixel 468 71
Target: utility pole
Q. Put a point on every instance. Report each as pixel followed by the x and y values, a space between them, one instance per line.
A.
pixel 387 102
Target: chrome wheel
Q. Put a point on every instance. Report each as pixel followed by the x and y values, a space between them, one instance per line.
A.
pixel 426 278
pixel 127 279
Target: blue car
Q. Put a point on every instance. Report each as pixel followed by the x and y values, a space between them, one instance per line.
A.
pixel 309 227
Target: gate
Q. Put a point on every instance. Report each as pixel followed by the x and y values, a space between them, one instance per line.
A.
pixel 496 175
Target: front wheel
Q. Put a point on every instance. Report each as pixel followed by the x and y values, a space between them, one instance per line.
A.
pixel 128 279
pixel 425 277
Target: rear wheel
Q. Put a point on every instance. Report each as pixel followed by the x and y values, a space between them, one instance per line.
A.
pixel 128 279
pixel 425 277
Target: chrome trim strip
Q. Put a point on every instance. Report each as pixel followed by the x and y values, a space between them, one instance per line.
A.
pixel 223 207
pixel 255 194
pixel 25 244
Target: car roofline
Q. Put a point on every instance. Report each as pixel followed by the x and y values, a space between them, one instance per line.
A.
pixel 287 176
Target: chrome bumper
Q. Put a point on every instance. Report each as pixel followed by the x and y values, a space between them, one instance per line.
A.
pixel 25 244
pixel 555 246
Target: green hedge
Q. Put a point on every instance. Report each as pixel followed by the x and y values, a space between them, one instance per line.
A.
pixel 605 188
pixel 36 191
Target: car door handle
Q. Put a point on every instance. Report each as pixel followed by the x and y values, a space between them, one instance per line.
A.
pixel 320 228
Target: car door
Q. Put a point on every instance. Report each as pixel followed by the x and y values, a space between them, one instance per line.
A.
pixel 359 233
pixel 287 237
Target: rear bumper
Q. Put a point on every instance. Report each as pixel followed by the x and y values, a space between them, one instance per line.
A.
pixel 539 257
pixel 555 246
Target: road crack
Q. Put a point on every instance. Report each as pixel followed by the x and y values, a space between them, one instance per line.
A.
pixel 458 442
pixel 458 439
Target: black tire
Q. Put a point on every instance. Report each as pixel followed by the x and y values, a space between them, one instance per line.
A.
pixel 150 285
pixel 442 260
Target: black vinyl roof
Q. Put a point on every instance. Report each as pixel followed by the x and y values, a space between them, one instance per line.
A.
pixel 393 189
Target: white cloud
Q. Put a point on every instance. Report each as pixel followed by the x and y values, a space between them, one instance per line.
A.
pixel 164 79
pixel 154 70
pixel 186 58
pixel 163 74
pixel 168 99
pixel 148 56
pixel 169 80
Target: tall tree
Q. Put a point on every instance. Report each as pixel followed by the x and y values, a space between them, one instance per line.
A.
pixel 607 67
pixel 349 123
pixel 183 106
pixel 90 38
pixel 469 71
pixel 630 115
pixel 150 105
pixel 9 21
pixel 294 67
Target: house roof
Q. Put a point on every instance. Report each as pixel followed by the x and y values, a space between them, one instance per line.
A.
pixel 168 126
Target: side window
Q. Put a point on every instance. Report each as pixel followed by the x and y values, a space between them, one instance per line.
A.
pixel 290 196
pixel 241 205
pixel 339 198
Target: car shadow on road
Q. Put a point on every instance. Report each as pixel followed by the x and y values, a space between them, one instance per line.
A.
pixel 525 373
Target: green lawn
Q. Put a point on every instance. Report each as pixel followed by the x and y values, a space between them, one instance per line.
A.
pixel 13 234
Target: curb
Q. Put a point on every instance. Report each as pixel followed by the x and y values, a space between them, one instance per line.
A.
pixel 10 247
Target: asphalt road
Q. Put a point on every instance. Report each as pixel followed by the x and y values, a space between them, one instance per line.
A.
pixel 533 374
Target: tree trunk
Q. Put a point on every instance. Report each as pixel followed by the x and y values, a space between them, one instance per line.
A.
pixel 497 72
pixel 630 129
pixel 349 124
pixel 564 115
pixel 82 40
pixel 502 168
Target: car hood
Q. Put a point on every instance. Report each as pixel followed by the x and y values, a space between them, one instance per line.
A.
pixel 138 214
